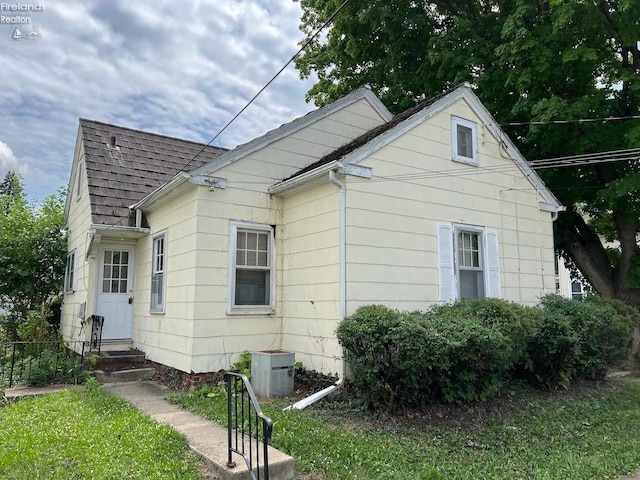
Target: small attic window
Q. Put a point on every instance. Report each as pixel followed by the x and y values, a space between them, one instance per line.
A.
pixel 464 140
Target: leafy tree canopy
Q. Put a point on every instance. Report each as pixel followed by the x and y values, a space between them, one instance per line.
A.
pixel 531 61
pixel 32 250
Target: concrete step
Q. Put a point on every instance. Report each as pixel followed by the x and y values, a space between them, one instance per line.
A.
pixel 120 357
pixel 129 375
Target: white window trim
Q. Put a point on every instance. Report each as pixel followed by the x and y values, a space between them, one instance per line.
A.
pixel 79 181
pixel 154 238
pixel 457 229
pixel 448 281
pixel 233 309
pixel 455 121
pixel 70 275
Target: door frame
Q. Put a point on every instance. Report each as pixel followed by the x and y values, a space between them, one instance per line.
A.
pixel 120 246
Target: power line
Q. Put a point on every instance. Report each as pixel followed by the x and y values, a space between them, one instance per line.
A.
pixel 300 50
pixel 305 45
pixel 563 122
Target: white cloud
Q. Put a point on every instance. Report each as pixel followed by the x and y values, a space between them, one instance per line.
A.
pixel 8 161
pixel 181 69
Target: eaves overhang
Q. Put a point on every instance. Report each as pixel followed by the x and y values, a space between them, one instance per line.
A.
pixel 317 176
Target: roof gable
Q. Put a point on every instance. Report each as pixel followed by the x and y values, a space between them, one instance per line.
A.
pixel 365 145
pixel 124 165
pixel 295 125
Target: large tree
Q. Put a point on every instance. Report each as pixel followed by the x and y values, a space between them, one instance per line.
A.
pixel 32 250
pixel 541 68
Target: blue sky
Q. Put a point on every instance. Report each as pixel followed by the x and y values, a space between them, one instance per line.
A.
pixel 182 69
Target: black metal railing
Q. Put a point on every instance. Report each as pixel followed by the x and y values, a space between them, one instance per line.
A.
pixel 248 427
pixel 40 362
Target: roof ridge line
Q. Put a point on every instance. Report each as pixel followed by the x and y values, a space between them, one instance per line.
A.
pixel 146 132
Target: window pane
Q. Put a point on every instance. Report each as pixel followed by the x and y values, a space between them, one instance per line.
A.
pixel 262 259
pixel 252 287
pixel 252 241
pixel 123 286
pixel 106 272
pixel 114 286
pixel 116 257
pixel 116 272
pixel 465 144
pixel 263 241
pixel 240 257
pixel 105 286
pixel 125 258
pixel 241 240
pixel 156 292
pixel 471 284
pixel 252 258
pixel 107 256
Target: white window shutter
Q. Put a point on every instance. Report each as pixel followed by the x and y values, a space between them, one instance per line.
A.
pixel 446 266
pixel 493 264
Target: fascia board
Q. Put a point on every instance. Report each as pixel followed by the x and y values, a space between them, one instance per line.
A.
pixel 77 153
pixel 550 199
pixel 463 92
pixel 151 200
pixel 296 183
pixel 307 179
pixel 293 126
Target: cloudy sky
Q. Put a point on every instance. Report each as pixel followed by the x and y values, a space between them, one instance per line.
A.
pixel 182 69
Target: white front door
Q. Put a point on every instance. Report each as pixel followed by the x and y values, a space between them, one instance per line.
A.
pixel 115 292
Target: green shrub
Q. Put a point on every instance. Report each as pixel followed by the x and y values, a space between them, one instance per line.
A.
pixel 552 352
pixel 452 353
pixel 466 351
pixel 602 326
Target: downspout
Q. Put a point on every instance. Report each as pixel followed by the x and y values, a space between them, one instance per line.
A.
pixel 311 399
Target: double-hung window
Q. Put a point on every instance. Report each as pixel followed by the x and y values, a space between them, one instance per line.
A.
pixel 464 141
pixel 251 269
pixel 70 272
pixel 468 262
pixel 158 269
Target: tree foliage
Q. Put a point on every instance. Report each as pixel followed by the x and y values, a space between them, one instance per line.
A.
pixel 32 251
pixel 533 62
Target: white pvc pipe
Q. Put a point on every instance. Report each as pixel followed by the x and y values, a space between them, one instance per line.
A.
pixel 311 399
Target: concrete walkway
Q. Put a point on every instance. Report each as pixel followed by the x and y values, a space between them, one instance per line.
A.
pixel 205 438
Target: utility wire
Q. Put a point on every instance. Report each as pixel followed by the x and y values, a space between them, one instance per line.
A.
pixel 300 50
pixel 305 45
pixel 563 122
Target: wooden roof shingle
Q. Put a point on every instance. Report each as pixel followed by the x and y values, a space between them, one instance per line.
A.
pixel 122 174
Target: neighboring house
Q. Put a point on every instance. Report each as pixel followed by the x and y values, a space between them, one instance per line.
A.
pixel 268 246
pixel 566 284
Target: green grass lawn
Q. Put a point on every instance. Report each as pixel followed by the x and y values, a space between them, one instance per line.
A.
pixel 593 434
pixel 87 434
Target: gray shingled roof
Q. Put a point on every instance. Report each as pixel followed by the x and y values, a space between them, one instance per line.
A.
pixel 140 163
pixel 368 136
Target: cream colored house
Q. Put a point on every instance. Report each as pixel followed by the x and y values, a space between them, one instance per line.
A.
pixel 194 254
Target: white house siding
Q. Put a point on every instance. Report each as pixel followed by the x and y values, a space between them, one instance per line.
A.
pixel 167 337
pixel 78 223
pixel 392 224
pixel 310 290
pixel 218 338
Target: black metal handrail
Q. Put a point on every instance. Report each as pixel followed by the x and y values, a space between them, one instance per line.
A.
pixel 37 361
pixel 246 422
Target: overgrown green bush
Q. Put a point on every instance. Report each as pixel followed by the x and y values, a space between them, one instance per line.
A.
pixel 551 353
pixel 451 353
pixel 466 351
pixel 602 326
